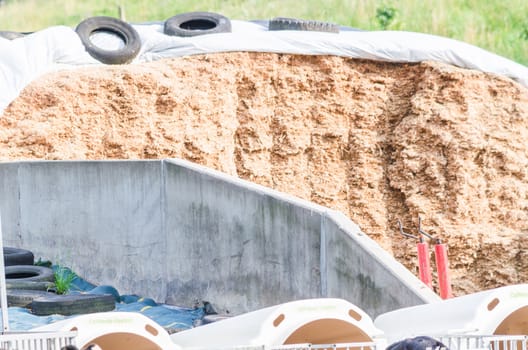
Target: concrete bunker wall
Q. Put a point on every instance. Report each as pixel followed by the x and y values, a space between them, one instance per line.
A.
pixel 181 233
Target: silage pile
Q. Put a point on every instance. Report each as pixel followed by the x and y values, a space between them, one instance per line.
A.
pixel 377 141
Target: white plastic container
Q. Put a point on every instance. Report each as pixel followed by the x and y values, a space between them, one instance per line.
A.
pixel 314 321
pixel 115 331
pixel 493 312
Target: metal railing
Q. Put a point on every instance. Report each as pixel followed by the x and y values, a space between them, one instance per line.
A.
pixel 487 342
pixel 36 340
pixel 304 346
pixel 340 346
pixel 58 340
pixel 452 342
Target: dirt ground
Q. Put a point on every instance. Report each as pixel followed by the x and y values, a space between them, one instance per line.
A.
pixel 377 141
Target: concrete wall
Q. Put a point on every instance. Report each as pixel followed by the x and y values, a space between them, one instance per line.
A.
pixel 103 219
pixel 246 246
pixel 358 269
pixel 181 233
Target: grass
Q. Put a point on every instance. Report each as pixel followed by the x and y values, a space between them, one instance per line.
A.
pixel 495 25
pixel 64 278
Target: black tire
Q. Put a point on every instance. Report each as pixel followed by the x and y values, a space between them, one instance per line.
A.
pixel 30 285
pixel 18 256
pixel 72 304
pixel 283 23
pixel 196 23
pixel 123 30
pixel 29 273
pixel 24 297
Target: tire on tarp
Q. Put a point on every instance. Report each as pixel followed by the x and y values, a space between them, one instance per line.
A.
pixel 284 23
pixel 28 273
pixel 30 285
pixel 72 304
pixel 18 256
pixel 196 23
pixel 24 297
pixel 115 26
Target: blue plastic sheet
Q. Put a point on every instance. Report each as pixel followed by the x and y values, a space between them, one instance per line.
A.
pixel 172 318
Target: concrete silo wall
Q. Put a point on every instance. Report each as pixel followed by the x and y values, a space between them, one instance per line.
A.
pixel 181 233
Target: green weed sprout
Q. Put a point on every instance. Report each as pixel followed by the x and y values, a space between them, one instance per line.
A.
pixel 63 279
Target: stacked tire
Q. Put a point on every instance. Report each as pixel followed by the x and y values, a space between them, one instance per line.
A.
pixel 24 280
pixel 31 286
pixel 18 256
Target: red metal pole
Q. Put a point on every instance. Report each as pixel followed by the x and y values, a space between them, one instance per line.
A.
pixel 444 280
pixel 424 265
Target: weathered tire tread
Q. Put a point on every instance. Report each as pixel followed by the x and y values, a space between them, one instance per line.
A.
pixel 30 285
pixel 24 297
pixel 33 272
pixel 283 23
pixel 72 304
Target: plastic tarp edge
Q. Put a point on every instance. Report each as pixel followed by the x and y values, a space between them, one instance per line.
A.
pixel 59 47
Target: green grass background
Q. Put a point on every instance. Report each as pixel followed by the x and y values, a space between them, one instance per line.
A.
pixel 495 25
